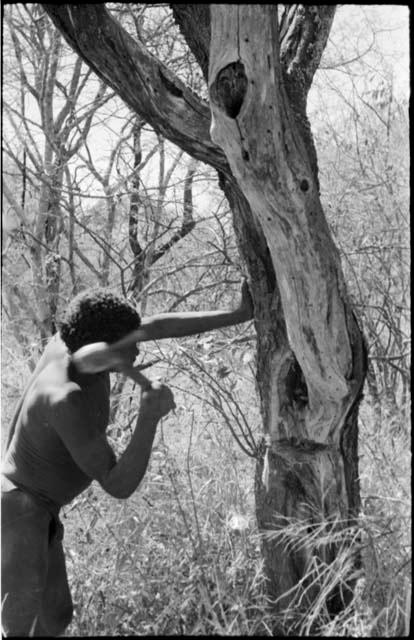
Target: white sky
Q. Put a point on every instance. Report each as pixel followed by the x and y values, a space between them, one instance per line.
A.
pixel 381 34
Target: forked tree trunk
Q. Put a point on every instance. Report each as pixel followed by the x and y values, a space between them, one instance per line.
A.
pixel 311 367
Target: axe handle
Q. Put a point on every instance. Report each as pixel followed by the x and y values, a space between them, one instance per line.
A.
pixel 138 377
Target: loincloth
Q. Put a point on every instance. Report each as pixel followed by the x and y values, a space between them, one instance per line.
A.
pixel 56 529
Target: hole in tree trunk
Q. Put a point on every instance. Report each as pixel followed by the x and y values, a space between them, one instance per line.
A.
pixel 296 389
pixel 229 88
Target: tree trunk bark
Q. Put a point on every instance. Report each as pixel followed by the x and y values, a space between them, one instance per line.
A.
pixel 311 360
pixel 298 479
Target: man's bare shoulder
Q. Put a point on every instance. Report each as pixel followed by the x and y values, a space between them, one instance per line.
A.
pixel 64 397
pixel 64 405
pixel 55 350
pixel 53 386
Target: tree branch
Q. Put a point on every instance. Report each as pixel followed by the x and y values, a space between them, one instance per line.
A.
pixel 303 33
pixel 188 222
pixel 14 204
pixel 193 21
pixel 155 93
pixel 69 104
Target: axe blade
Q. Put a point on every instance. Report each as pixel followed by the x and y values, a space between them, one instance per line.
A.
pixel 101 356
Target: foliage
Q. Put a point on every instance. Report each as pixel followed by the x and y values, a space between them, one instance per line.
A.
pixel 169 562
pixel 170 559
pixel 177 562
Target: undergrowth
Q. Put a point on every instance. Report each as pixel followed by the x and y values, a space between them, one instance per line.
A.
pixel 183 555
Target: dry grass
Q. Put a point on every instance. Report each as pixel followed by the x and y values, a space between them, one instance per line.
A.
pixel 168 561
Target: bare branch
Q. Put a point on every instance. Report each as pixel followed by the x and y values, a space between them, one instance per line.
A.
pixel 188 222
pixel 69 104
pixel 303 34
pixel 13 202
pixel 36 161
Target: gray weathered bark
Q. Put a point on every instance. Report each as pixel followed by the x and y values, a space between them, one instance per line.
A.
pixel 310 355
pixel 309 383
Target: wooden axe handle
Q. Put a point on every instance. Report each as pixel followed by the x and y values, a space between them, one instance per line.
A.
pixel 138 377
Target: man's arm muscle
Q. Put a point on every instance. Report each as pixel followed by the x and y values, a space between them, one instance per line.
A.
pixel 179 324
pixel 88 447
pixel 92 453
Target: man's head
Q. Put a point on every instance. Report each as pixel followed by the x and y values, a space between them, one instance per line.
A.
pixel 97 316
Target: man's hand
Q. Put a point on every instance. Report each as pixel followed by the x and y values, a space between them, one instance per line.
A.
pixel 158 400
pixel 246 303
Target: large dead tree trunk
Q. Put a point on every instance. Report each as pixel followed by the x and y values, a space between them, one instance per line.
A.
pixel 309 472
pixel 310 356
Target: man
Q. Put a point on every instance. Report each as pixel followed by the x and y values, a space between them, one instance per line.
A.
pixel 57 446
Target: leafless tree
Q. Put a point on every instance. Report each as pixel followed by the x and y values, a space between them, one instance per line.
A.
pixel 48 118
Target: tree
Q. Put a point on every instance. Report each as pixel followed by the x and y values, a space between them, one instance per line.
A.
pixel 51 108
pixel 47 125
pixel 311 362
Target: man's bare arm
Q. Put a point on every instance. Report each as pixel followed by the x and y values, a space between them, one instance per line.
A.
pixel 101 356
pixel 92 452
pixel 177 325
pixel 126 475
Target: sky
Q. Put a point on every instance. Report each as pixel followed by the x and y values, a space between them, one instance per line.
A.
pixel 369 40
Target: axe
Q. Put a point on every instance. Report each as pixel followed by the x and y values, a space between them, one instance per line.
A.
pixel 100 356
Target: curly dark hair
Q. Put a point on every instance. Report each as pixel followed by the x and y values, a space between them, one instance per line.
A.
pixel 97 316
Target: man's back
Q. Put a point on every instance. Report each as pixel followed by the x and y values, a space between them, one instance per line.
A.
pixel 36 458
pixel 57 444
